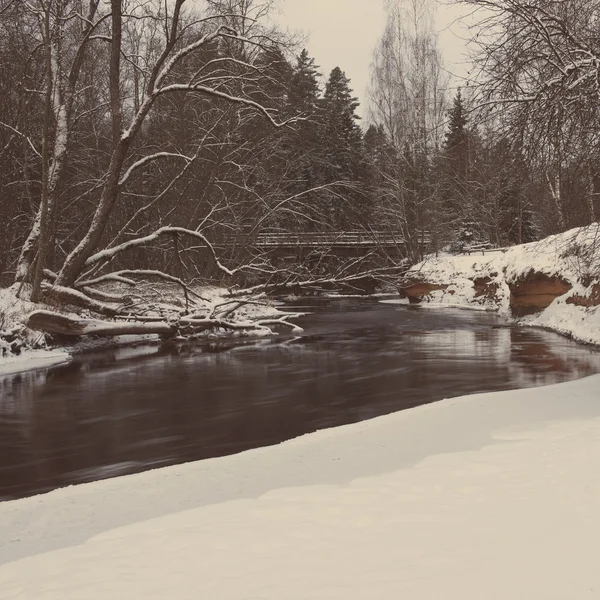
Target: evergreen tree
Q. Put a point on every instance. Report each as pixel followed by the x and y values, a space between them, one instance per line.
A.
pixel 485 185
pixel 304 158
pixel 303 101
pixel 508 189
pixel 378 150
pixel 461 178
pixel 456 145
pixel 341 130
pixel 342 146
pixel 275 81
pixel 304 86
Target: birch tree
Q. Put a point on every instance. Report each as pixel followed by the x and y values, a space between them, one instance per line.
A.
pixel 407 99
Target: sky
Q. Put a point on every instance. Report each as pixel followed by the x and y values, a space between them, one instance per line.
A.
pixel 344 33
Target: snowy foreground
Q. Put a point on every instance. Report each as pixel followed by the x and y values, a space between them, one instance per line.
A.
pixel 489 496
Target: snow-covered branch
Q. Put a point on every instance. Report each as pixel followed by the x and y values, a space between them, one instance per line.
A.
pixel 109 253
pixel 151 158
pixel 210 91
pixel 21 134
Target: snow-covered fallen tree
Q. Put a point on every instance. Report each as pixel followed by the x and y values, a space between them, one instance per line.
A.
pixel 52 322
pixel 145 313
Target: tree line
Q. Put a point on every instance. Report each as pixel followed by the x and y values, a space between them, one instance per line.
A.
pixel 126 119
pixel 511 157
pixel 150 139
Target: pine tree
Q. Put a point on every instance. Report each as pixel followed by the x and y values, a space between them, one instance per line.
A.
pixel 304 140
pixel 460 170
pixel 303 101
pixel 342 145
pixel 274 86
pixel 341 129
pixel 456 145
pixel 304 86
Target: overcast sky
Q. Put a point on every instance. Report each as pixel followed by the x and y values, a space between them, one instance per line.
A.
pixel 344 33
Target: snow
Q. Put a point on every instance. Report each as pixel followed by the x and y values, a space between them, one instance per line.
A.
pixel 394 301
pixel 485 496
pixel 573 256
pixel 33 359
pixel 582 324
pixel 31 344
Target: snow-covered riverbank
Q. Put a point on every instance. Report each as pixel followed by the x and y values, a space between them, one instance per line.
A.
pixel 485 496
pixel 31 349
pixel 558 278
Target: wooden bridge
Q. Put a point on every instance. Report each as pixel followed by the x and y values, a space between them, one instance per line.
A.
pixel 318 245
pixel 329 239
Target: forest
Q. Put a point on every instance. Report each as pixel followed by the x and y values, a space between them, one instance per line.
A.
pixel 157 141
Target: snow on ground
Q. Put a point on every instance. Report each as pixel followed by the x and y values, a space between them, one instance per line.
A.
pixel 32 359
pixel 30 351
pixel 489 496
pixel 574 256
pixel 582 324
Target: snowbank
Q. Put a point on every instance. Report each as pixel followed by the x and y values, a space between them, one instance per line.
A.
pixel 33 359
pixel 486 496
pixel 22 349
pixel 566 266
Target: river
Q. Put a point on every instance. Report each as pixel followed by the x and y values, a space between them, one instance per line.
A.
pixel 128 410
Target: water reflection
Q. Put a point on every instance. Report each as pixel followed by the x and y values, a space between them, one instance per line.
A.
pixel 124 411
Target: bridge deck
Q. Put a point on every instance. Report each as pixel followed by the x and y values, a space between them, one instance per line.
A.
pixel 327 239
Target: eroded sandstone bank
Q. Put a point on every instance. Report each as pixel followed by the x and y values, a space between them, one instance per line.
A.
pixel 553 283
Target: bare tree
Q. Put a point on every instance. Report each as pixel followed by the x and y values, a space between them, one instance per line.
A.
pixel 64 34
pixel 407 92
pixel 65 37
pixel 539 81
pixel 408 100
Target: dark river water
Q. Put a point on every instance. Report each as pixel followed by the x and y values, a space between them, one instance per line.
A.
pixel 128 410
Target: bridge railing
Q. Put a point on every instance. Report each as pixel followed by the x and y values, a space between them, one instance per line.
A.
pixel 328 238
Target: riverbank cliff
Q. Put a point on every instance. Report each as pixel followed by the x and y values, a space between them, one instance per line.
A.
pixel 553 283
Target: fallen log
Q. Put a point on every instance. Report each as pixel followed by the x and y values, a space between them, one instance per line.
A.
pixel 51 322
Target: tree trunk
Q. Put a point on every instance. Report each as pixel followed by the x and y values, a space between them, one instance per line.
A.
pixel 49 322
pixel 75 262
pixel 591 195
pixel 42 245
pixel 556 197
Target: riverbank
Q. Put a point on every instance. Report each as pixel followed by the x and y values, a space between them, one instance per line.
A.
pixel 491 495
pixel 23 349
pixel 553 283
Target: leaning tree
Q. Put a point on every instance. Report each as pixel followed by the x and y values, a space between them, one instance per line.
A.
pixel 143 123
